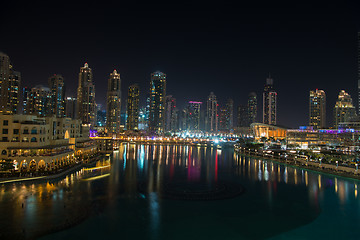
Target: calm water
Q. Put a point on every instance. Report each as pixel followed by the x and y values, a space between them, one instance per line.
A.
pixel 159 192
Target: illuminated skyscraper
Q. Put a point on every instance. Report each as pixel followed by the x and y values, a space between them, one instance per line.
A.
pixel 170 107
pixel 269 102
pixel 243 117
pixel 193 115
pixel 86 107
pixel 252 108
pixel 211 119
pixel 10 81
pixel 39 102
pixel 229 115
pixel 132 122
pixel 113 106
pixel 57 95
pixel 157 102
pixel 25 99
pixel 344 108
pixel 4 81
pixel 70 107
pixel 317 109
pixel 358 56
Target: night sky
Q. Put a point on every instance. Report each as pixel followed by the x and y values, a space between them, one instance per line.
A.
pixel 225 48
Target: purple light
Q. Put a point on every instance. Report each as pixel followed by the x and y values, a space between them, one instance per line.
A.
pixel 93 133
pixel 195 102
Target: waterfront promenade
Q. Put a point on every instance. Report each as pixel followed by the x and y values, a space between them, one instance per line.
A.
pixel 302 162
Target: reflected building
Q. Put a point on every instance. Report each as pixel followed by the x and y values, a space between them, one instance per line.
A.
pixel 113 104
pixel 132 121
pixel 157 102
pixel 317 109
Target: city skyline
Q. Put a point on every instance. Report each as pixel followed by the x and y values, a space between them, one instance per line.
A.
pixel 230 50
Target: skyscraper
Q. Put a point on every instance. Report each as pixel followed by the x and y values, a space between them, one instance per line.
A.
pixel 57 95
pixel 229 115
pixel 211 119
pixel 358 56
pixel 39 101
pixel 157 102
pixel 14 91
pixel 4 81
pixel 193 115
pixel 243 117
pixel 70 107
pixel 170 107
pixel 113 106
pixel 252 107
pixel 10 81
pixel 132 122
pixel 86 107
pixel 317 109
pixel 344 108
pixel 269 103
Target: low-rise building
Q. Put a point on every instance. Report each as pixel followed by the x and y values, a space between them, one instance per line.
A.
pixel 43 143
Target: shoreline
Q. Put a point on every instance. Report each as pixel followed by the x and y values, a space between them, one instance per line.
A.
pixel 302 165
pixel 61 174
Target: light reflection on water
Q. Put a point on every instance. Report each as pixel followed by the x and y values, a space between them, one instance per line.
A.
pixel 278 197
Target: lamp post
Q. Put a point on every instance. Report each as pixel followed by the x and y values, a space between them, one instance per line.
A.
pixel 337 164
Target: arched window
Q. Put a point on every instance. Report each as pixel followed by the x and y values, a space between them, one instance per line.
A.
pixel 33 139
pixel 34 130
pixel 3 152
pixel 26 130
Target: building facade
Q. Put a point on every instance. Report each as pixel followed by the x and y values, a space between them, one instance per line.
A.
pixel 39 101
pixel 269 103
pixel 157 102
pixel 86 106
pixel 344 108
pixel 252 107
pixel 193 115
pixel 113 104
pixel 57 96
pixel 170 108
pixel 132 121
pixel 243 118
pixel 211 118
pixel 317 109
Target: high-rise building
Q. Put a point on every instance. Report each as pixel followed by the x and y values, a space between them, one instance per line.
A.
pixel 86 107
pixel 222 119
pixel 113 105
pixel 132 121
pixel 100 116
pixel 344 108
pixel 193 115
pixel 14 91
pixel 57 95
pixel 170 107
pixel 4 81
pixel 70 107
pixel 243 117
pixel 157 102
pixel 25 99
pixel 10 81
pixel 358 56
pixel 229 115
pixel 317 109
pixel 211 119
pixel 142 119
pixel 252 108
pixel 39 101
pixel 269 102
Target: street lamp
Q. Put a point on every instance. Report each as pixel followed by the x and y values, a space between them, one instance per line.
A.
pixel 337 164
